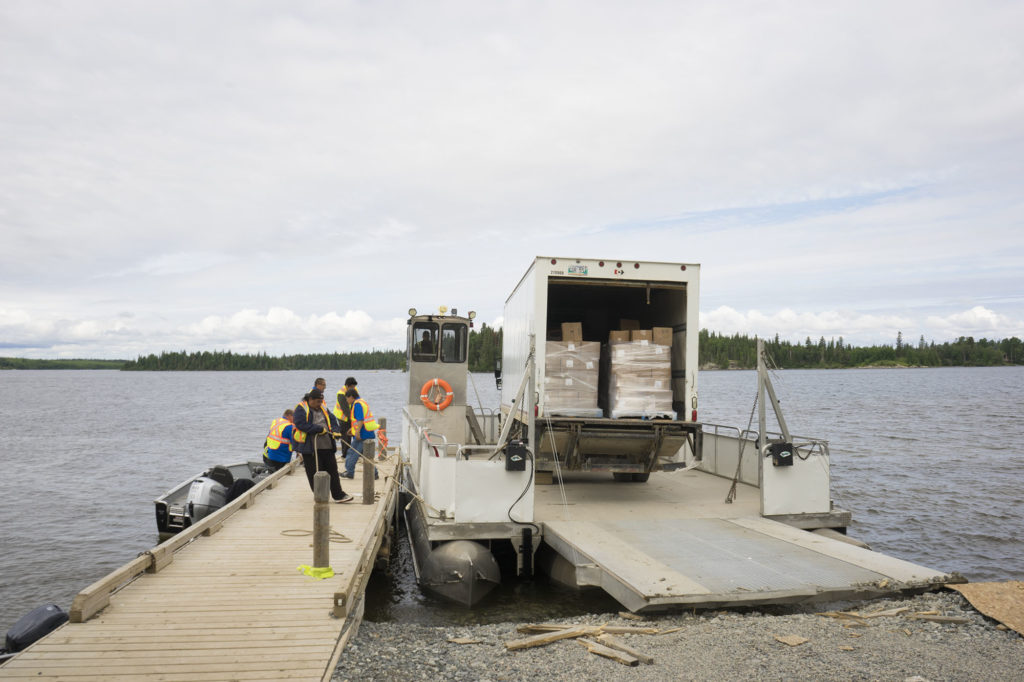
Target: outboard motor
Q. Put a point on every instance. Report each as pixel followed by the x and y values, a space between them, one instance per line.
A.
pixel 208 493
pixel 33 626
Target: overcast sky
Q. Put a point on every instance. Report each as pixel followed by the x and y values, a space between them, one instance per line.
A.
pixel 293 176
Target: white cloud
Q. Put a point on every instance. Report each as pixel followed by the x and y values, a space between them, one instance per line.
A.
pixel 978 322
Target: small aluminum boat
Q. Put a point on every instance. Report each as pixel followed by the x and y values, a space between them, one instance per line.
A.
pixel 199 496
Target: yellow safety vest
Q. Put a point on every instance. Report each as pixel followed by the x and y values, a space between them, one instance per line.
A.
pixel 275 438
pixel 369 423
pixel 300 435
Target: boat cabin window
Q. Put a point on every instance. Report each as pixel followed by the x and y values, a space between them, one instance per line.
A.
pixel 453 343
pixel 424 341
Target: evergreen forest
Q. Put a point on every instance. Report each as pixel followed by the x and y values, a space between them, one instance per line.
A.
pixel 720 351
pixel 716 351
pixel 182 361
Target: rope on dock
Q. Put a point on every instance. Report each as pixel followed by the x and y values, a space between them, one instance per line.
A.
pixel 334 535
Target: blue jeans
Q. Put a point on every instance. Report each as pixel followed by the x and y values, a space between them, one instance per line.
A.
pixel 352 456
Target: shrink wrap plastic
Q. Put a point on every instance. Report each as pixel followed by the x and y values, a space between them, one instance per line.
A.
pixel 570 378
pixel 640 384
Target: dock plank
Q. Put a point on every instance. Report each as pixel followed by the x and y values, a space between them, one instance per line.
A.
pixel 229 605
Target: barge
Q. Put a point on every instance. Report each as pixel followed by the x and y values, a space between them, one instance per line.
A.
pixel 595 469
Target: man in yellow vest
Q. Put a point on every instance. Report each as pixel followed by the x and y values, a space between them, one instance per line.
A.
pixel 278 446
pixel 363 427
pixel 342 411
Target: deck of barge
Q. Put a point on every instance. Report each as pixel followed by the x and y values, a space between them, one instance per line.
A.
pixel 229 604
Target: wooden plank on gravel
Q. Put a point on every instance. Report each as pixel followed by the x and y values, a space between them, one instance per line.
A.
pixel 628 630
pixel 549 637
pixel 601 650
pixel 541 627
pixel 613 643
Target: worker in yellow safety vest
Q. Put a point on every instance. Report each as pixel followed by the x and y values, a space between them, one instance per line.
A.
pixel 277 448
pixel 342 411
pixel 362 426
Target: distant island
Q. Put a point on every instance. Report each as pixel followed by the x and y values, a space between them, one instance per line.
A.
pixel 717 351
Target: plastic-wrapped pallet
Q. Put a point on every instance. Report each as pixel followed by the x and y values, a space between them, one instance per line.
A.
pixel 570 378
pixel 640 384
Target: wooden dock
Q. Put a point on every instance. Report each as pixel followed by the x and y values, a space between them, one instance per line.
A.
pixel 224 599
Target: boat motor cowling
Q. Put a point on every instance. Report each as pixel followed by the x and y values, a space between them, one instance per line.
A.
pixel 35 625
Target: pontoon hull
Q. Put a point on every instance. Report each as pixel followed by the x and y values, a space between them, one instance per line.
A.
pixel 461 571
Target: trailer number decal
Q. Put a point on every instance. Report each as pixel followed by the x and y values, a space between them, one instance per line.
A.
pixel 577 269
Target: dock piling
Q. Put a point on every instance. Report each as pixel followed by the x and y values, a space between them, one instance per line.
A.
pixel 369 455
pixel 321 520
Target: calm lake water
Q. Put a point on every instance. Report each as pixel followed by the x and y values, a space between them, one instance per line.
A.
pixel 930 462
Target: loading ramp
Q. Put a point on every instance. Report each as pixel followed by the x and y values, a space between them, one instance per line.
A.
pixel 678 545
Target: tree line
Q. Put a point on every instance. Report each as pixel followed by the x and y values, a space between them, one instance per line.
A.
pixel 739 351
pixel 31 363
pixel 183 361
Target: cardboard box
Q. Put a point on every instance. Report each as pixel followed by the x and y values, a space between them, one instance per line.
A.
pixel 629 325
pixel 662 336
pixel 572 331
pixel 621 336
pixel 641 335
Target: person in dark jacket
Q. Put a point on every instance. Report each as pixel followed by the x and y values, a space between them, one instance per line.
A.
pixel 316 430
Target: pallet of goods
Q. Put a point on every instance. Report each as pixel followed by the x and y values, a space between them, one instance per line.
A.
pixel 570 375
pixel 640 381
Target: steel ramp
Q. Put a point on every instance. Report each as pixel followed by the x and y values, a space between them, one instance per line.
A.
pixel 655 564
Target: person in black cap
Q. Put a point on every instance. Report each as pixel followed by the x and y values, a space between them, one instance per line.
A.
pixel 315 431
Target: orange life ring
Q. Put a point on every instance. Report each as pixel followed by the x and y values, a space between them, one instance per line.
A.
pixel 428 387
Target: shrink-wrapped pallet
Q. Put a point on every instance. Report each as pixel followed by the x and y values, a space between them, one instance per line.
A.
pixel 640 381
pixel 570 378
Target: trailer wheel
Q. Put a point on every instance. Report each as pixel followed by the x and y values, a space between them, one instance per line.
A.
pixel 622 476
pixel 641 478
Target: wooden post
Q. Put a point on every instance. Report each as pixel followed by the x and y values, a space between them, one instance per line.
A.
pixel 321 519
pixel 369 454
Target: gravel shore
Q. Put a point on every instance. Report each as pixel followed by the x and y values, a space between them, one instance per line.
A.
pixel 711 645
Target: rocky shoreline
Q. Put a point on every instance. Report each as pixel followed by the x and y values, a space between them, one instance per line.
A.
pixel 889 639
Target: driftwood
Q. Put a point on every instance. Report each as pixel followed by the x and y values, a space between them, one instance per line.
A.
pixel 942 619
pixel 534 628
pixel 792 640
pixel 613 643
pixel 849 616
pixel 549 637
pixel 886 613
pixel 629 616
pixel 628 630
pixel 601 650
pixel 665 632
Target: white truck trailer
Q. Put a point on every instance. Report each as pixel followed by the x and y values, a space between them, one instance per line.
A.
pixel 609 394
